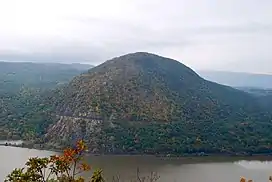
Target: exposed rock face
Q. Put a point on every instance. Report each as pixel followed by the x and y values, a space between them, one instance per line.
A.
pixel 68 130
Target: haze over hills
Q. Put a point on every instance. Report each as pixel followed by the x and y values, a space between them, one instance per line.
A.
pixel 237 79
pixel 39 75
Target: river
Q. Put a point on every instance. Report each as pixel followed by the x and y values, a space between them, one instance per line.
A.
pixel 201 169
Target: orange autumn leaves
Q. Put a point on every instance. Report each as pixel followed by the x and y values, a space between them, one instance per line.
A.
pixel 84 167
pixel 243 179
pixel 65 167
pixel 72 157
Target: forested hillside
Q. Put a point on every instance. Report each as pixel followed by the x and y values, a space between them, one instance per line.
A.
pixel 139 103
pixel 144 103
pixel 22 86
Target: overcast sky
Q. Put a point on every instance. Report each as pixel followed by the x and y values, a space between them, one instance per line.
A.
pixel 231 35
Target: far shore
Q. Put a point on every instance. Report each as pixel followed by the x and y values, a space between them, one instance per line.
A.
pixel 259 156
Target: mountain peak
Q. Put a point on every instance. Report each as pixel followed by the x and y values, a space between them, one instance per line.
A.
pixel 144 86
pixel 142 56
pixel 141 91
pixel 136 54
pixel 145 62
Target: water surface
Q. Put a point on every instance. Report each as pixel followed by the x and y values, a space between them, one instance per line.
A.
pixel 204 169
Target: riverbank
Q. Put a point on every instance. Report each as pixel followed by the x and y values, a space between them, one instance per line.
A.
pixel 190 155
pixel 29 147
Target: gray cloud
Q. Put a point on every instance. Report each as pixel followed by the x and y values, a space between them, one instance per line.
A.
pixel 204 34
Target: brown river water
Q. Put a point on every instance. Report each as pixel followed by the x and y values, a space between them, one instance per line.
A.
pixel 204 169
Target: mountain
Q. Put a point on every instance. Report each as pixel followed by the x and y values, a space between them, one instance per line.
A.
pixel 148 87
pixel 42 75
pixel 257 91
pixel 21 86
pixel 237 79
pixel 145 103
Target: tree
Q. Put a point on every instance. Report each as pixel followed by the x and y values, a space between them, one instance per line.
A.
pixel 61 168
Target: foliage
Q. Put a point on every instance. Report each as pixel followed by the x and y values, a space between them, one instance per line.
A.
pixel 177 138
pixel 146 87
pixel 243 179
pixel 66 168
pixel 62 168
pixel 24 87
pixel 139 103
pixel 13 76
pixel 155 105
pixel 257 91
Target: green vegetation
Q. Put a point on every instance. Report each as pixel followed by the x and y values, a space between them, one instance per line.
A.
pixel 67 167
pixel 63 168
pixel 14 76
pixel 144 103
pixel 24 88
pixel 264 95
pixel 257 91
pixel 146 87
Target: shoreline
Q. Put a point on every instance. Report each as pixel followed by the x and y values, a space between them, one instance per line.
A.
pixel 187 156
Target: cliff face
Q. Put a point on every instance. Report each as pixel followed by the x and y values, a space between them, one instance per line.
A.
pixel 67 130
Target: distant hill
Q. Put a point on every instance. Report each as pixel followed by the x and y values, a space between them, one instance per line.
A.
pixel 14 75
pixel 145 103
pixel 21 87
pixel 257 91
pixel 236 79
